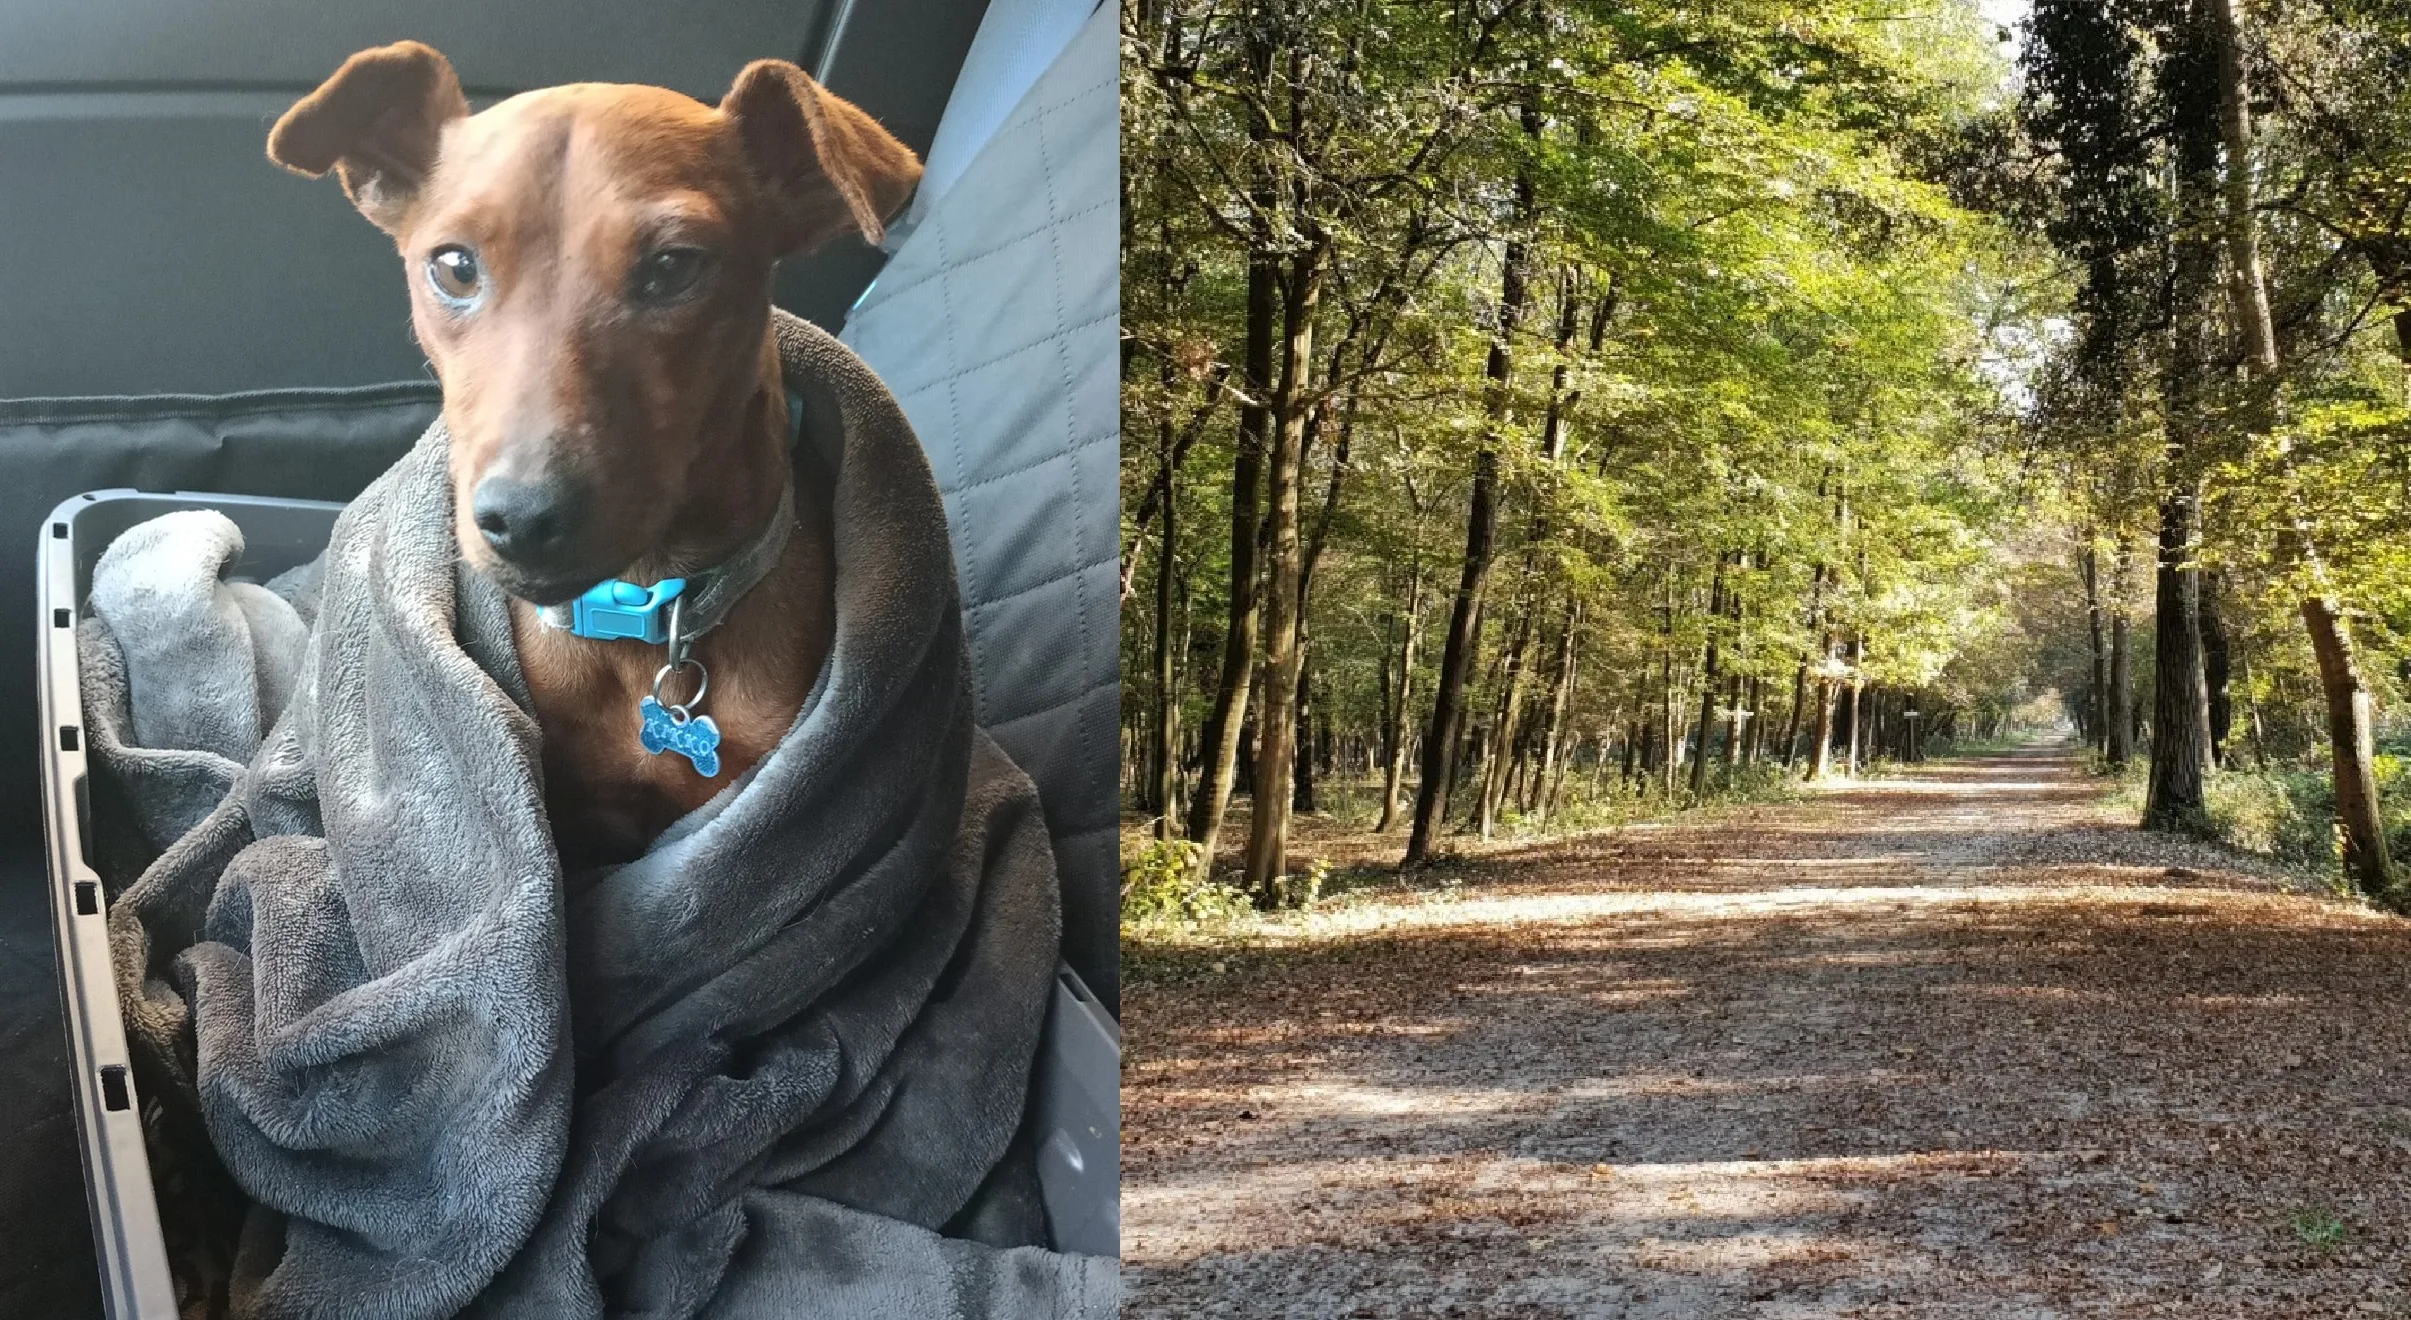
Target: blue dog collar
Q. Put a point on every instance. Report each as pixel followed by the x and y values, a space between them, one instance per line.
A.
pixel 614 611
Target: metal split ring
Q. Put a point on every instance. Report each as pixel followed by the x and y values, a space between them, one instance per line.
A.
pixel 703 683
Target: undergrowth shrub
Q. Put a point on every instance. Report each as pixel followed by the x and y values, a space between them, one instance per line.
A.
pixel 2284 814
pixel 2289 813
pixel 1616 803
pixel 2394 807
pixel 1765 781
pixel 1161 885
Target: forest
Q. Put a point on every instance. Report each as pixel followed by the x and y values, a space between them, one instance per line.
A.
pixel 1538 413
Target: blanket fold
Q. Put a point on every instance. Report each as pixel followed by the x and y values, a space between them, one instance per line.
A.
pixel 751 1073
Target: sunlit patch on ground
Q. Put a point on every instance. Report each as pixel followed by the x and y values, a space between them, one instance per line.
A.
pixel 1788 1064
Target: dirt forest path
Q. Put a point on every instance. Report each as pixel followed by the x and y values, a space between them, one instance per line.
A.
pixel 1953 1044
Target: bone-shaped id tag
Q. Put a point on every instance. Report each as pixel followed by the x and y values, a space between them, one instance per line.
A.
pixel 694 737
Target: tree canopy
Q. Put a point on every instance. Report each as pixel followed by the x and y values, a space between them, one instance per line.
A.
pixel 1532 406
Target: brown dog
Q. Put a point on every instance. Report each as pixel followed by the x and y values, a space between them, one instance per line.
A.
pixel 589 270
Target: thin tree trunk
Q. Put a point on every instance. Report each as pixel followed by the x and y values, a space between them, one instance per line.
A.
pixel 2349 720
pixel 1738 708
pixel 2215 669
pixel 1828 696
pixel 2252 723
pixel 1276 738
pixel 1707 680
pixel 1180 446
pixel 1457 654
pixel 1668 765
pixel 1854 711
pixel 1551 763
pixel 1394 749
pixel 1226 721
pixel 1791 724
pixel 2097 725
pixel 1310 754
pixel 1302 767
pixel 2121 703
pixel 1509 727
pixel 1815 619
pixel 1164 730
pixel 1744 702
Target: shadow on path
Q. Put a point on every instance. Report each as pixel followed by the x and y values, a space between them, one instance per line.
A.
pixel 1954 1044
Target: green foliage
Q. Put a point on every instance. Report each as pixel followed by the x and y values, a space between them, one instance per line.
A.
pixel 1161 885
pixel 2319 1229
pixel 2303 477
pixel 1301 890
pixel 2287 815
pixel 1759 396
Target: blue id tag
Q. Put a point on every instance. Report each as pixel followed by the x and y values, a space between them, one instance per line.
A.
pixel 694 737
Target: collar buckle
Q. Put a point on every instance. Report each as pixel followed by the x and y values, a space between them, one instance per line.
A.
pixel 614 610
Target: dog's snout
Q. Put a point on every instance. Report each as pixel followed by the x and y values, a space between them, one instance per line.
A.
pixel 527 522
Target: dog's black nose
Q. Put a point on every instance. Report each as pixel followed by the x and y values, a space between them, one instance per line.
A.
pixel 527 522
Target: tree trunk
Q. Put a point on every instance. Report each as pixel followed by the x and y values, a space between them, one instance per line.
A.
pixel 2180 741
pixel 2097 723
pixel 1791 724
pixel 1743 703
pixel 1554 752
pixel 2253 731
pixel 2119 709
pixel 1854 712
pixel 1301 774
pixel 1276 737
pixel 1666 699
pixel 1707 681
pixel 1227 719
pixel 1669 760
pixel 2350 714
pixel 1164 728
pixel 2180 744
pixel 1457 653
pixel 2215 669
pixel 2349 717
pixel 1394 732
pixel 1312 755
pixel 1508 730
pixel 1814 618
pixel 1737 724
pixel 1821 760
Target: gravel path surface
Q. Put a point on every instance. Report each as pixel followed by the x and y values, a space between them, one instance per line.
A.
pixel 1954 1044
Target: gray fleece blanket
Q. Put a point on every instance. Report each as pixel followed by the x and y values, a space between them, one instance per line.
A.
pixel 778 1066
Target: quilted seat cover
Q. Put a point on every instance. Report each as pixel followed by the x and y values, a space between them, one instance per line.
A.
pixel 995 324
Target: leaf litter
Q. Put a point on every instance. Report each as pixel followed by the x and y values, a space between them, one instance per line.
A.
pixel 1956 1043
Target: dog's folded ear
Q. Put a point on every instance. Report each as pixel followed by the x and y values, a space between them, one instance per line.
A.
pixel 825 166
pixel 377 123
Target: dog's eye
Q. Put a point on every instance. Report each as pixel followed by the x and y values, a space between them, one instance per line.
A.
pixel 454 273
pixel 668 274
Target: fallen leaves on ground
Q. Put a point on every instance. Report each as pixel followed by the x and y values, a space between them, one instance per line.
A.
pixel 1955 1044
